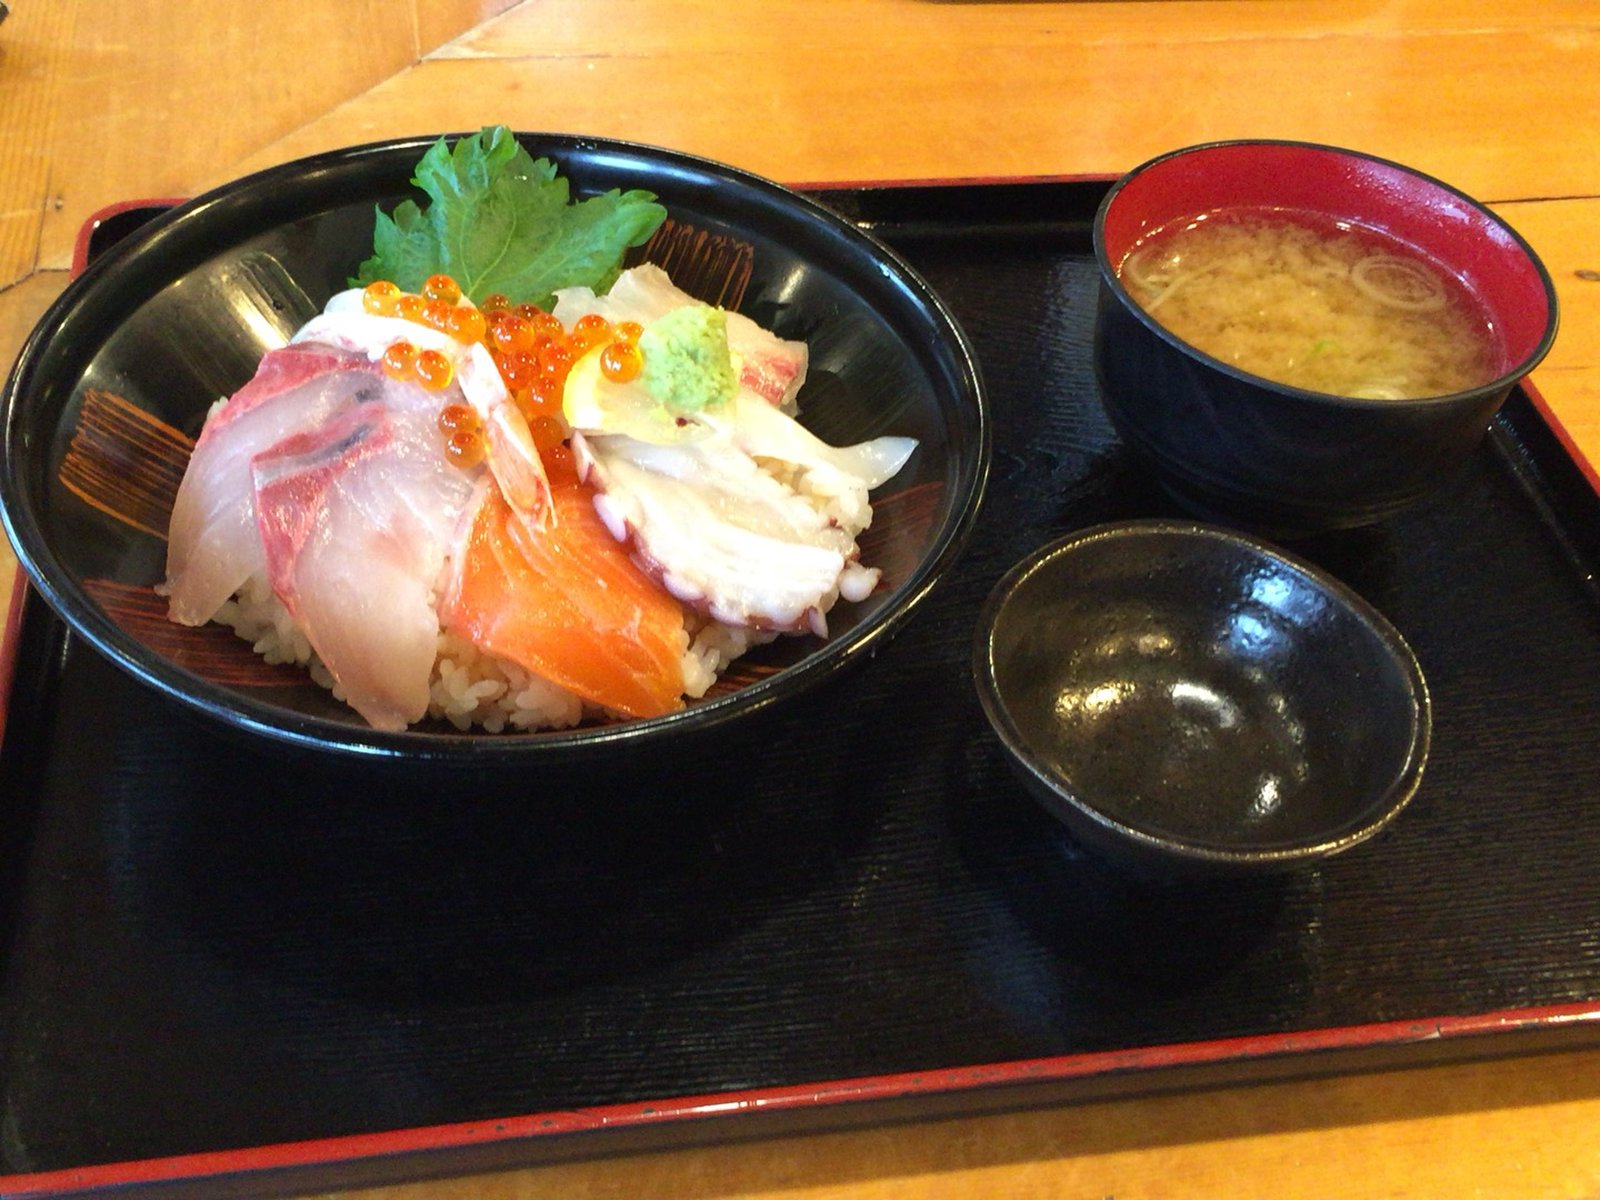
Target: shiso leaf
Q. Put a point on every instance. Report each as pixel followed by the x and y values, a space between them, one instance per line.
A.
pixel 499 220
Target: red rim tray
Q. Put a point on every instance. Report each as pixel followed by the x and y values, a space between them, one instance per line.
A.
pixel 911 939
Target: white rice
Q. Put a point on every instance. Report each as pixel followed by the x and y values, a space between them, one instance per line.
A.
pixel 471 689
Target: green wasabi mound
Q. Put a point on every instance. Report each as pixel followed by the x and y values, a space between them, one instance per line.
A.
pixel 687 363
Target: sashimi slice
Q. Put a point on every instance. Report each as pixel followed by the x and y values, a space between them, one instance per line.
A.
pixel 212 544
pixel 510 450
pixel 567 604
pixel 356 520
pixel 721 534
pixel 773 368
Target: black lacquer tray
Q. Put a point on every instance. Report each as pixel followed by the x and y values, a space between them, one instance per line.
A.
pixel 234 970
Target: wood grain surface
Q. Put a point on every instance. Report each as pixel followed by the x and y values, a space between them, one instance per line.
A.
pixel 103 102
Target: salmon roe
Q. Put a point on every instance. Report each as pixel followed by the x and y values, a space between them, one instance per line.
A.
pixel 621 362
pixel 434 371
pixel 400 361
pixel 443 289
pixel 465 448
pixel 380 298
pixel 530 348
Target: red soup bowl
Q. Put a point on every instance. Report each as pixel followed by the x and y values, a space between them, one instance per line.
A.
pixel 1284 460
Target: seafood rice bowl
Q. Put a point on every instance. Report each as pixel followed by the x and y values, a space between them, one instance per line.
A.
pixel 402 449
pixel 579 500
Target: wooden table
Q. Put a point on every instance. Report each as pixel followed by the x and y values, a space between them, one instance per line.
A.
pixel 102 102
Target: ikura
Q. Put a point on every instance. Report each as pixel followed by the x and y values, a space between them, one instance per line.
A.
pixel 380 298
pixel 462 430
pixel 621 361
pixel 530 348
pixel 404 362
pixel 438 307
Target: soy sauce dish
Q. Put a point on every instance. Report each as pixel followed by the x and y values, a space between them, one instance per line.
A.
pixel 1191 701
pixel 1271 320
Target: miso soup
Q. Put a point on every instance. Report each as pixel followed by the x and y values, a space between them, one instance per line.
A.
pixel 1314 304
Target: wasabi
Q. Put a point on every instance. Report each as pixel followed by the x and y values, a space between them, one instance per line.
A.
pixel 687 363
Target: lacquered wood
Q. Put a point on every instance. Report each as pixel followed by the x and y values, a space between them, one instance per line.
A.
pixel 1501 97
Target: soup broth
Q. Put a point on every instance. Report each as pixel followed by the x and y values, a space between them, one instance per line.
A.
pixel 1325 307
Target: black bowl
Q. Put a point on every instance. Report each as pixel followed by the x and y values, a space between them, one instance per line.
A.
pixel 1190 700
pixel 1279 459
pixel 125 364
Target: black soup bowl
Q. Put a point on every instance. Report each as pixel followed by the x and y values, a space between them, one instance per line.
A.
pixel 1192 702
pixel 120 372
pixel 1280 459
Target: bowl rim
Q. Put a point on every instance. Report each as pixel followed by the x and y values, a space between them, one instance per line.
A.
pixel 1403 784
pixel 260 193
pixel 1465 397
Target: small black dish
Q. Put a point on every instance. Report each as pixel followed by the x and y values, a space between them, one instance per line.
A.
pixel 1281 460
pixel 1192 701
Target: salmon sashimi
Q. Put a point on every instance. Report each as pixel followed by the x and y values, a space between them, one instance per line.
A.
pixel 566 603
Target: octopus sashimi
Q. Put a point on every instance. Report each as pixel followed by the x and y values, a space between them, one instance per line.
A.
pixel 212 543
pixel 719 533
pixel 357 520
pixel 567 604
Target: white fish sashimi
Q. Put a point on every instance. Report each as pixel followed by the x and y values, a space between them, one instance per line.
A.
pixel 773 368
pixel 512 456
pixel 212 542
pixel 357 521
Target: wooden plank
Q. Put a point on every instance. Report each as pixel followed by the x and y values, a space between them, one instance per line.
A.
pixel 1480 1130
pixel 1562 233
pixel 440 21
pixel 101 102
pixel 760 86
pixel 32 52
pixel 641 29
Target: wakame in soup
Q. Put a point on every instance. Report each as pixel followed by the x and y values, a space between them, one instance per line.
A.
pixel 1321 306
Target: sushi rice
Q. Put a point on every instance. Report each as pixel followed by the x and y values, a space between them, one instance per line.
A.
pixel 472 689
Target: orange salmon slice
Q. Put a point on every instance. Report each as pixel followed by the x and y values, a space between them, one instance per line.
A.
pixel 568 604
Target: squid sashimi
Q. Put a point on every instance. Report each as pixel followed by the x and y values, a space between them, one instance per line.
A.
pixel 212 543
pixel 357 520
pixel 567 604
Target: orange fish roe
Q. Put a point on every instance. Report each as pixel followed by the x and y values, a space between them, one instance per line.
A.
pixel 465 448
pixel 434 370
pixel 380 298
pixel 588 331
pixel 400 361
pixel 529 347
pixel 442 288
pixel 621 362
